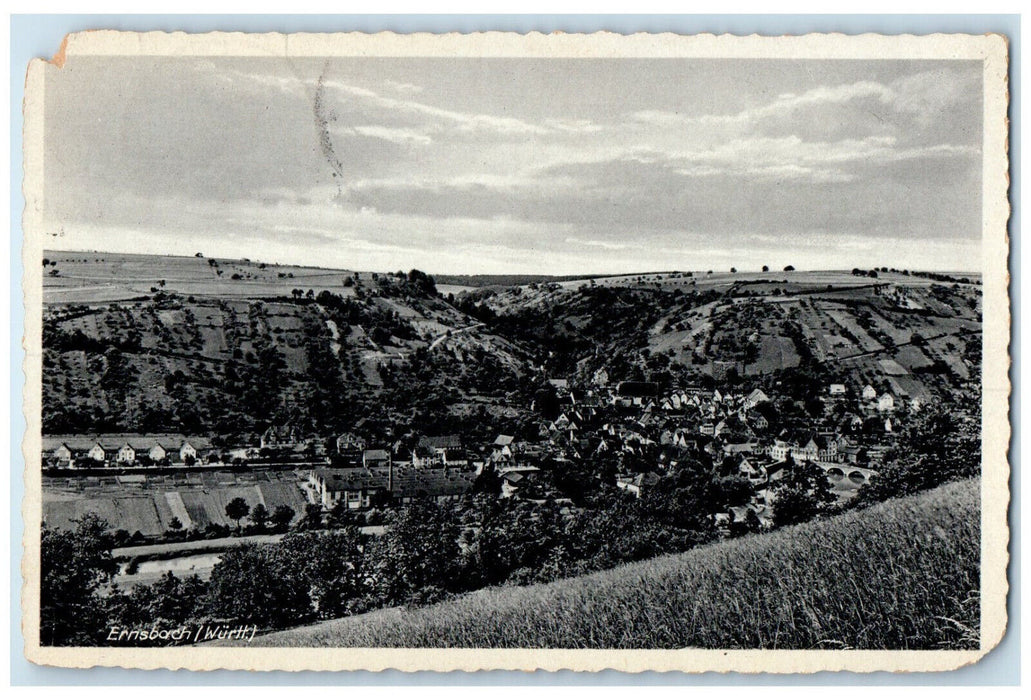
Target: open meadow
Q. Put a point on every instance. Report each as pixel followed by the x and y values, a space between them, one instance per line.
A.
pixel 91 277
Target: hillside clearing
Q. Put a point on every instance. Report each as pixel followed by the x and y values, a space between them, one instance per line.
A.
pixel 901 575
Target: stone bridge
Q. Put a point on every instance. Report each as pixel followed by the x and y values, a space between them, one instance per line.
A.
pixel 838 471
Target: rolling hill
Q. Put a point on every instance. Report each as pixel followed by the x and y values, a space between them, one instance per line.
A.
pixel 902 333
pixel 152 343
pixel 912 582
pixel 141 342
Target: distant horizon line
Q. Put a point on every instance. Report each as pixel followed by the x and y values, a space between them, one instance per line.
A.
pixel 577 275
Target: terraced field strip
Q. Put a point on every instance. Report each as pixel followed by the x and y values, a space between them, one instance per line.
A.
pixel 776 353
pixel 178 508
pixel 897 335
pixel 846 321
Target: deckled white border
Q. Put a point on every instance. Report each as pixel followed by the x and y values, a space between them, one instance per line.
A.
pixel 991 49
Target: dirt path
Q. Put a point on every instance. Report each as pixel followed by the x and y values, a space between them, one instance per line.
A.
pixel 334 344
pixel 450 334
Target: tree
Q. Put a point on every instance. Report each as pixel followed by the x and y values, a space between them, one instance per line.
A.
pixel 939 445
pixel 789 268
pixel 511 537
pixel 312 519
pixel 735 490
pixel 802 494
pixel 418 551
pixel 793 505
pixel 260 516
pixel 331 566
pixel 686 499
pixel 251 584
pixel 168 602
pixel 237 509
pixel 175 524
pixel 282 516
pixel 73 565
pixel 750 524
pixel 766 268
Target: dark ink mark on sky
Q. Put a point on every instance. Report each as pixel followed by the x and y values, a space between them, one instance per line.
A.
pixel 322 120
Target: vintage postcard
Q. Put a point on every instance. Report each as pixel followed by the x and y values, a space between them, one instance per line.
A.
pixel 502 351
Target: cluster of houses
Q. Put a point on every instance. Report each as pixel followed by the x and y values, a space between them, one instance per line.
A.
pixel 879 403
pixel 734 429
pixel 630 424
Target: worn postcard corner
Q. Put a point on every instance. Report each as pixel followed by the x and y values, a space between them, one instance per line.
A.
pixel 524 352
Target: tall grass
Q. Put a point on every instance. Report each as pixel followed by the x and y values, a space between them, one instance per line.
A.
pixel 900 575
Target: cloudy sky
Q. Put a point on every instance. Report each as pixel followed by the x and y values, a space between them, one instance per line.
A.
pixel 519 165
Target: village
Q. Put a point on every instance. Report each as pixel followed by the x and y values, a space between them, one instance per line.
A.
pixel 627 434
pixel 459 352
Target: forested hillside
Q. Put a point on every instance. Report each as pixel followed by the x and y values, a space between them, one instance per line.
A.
pixel 228 348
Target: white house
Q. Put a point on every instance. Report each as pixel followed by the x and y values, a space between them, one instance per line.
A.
pixel 869 393
pixel 126 455
pixel 886 403
pixel 511 482
pixel 756 397
pixel 63 453
pixel 187 451
pixel 637 484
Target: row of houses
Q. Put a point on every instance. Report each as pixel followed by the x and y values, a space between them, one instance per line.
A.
pixel 65 451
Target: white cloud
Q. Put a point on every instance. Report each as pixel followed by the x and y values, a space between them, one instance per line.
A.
pixel 394 135
pixel 402 87
pixel 499 182
pixel 607 245
pixel 462 120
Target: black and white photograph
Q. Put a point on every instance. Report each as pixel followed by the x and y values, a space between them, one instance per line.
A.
pixel 516 351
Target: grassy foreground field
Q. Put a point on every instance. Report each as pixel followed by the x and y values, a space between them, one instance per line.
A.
pixel 901 575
